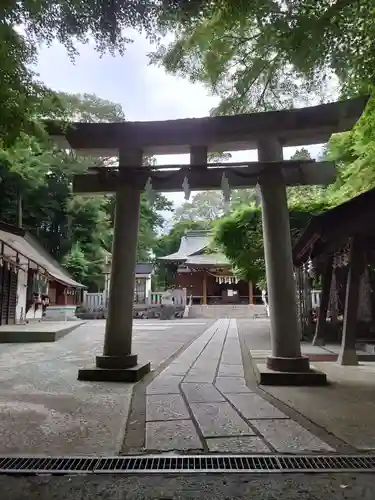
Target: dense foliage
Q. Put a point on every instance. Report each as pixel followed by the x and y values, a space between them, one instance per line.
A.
pixel 35 191
pixel 268 54
pixel 207 206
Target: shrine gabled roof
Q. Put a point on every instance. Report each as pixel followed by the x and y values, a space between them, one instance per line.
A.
pixel 210 259
pixel 19 241
pixel 192 243
pixel 293 127
pixel 327 231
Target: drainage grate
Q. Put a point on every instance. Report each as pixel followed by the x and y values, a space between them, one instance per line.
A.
pixel 188 464
pixel 45 465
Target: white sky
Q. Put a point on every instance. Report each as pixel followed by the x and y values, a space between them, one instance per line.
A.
pixel 145 92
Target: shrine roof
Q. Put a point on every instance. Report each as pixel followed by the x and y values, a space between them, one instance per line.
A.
pixel 293 127
pixel 329 230
pixel 210 259
pixel 143 268
pixel 193 242
pixel 19 242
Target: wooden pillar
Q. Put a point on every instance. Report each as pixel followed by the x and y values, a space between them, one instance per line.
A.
pixel 334 299
pixel 251 293
pixel 348 354
pixel 324 302
pixel 204 286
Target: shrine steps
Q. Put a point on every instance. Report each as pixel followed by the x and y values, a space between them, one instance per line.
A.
pixel 228 311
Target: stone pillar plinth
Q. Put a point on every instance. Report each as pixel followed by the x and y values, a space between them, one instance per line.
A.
pixel 285 335
pixel 118 363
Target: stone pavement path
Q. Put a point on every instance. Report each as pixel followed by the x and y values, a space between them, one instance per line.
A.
pixel 201 402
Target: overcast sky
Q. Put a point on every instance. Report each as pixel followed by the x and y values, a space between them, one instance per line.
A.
pixel 145 92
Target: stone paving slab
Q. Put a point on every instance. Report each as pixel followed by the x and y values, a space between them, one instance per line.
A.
pixel 201 393
pixel 239 444
pixel 253 406
pixel 201 376
pixel 219 419
pixel 232 385
pixel 166 407
pixel 165 385
pixel 177 435
pixel 288 436
pixel 230 371
pixel 231 353
pixel 174 369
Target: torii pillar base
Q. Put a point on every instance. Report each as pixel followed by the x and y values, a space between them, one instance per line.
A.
pixel 115 369
pixel 289 371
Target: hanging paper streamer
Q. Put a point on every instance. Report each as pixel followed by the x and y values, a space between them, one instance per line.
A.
pixel 186 188
pixel 258 196
pixel 226 191
pixel 150 194
pixel 310 268
pixel 227 280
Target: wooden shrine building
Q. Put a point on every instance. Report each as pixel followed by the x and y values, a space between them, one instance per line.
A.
pixel 27 273
pixel 269 133
pixel 339 247
pixel 206 275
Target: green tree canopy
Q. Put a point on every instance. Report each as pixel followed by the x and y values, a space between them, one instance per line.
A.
pixel 208 206
pixel 268 54
pixel 306 196
pixel 240 237
pixel 76 263
pixel 354 154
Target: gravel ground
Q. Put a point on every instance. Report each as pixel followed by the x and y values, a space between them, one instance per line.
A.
pixel 167 487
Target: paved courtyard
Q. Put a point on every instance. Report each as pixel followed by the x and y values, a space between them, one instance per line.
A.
pixel 45 410
pixel 201 397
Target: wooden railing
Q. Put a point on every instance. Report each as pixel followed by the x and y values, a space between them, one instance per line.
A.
pixel 176 297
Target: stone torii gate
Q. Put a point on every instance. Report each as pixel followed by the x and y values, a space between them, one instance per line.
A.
pixel 268 132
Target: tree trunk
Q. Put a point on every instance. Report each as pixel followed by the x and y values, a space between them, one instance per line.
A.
pixel 19 216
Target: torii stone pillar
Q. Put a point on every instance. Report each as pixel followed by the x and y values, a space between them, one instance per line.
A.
pixel 286 366
pixel 118 363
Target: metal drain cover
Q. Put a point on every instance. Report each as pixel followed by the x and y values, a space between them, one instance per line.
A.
pixel 188 464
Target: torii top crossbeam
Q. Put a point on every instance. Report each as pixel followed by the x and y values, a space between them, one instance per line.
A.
pixel 295 127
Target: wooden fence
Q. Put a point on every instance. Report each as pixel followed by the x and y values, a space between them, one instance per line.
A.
pixel 94 302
